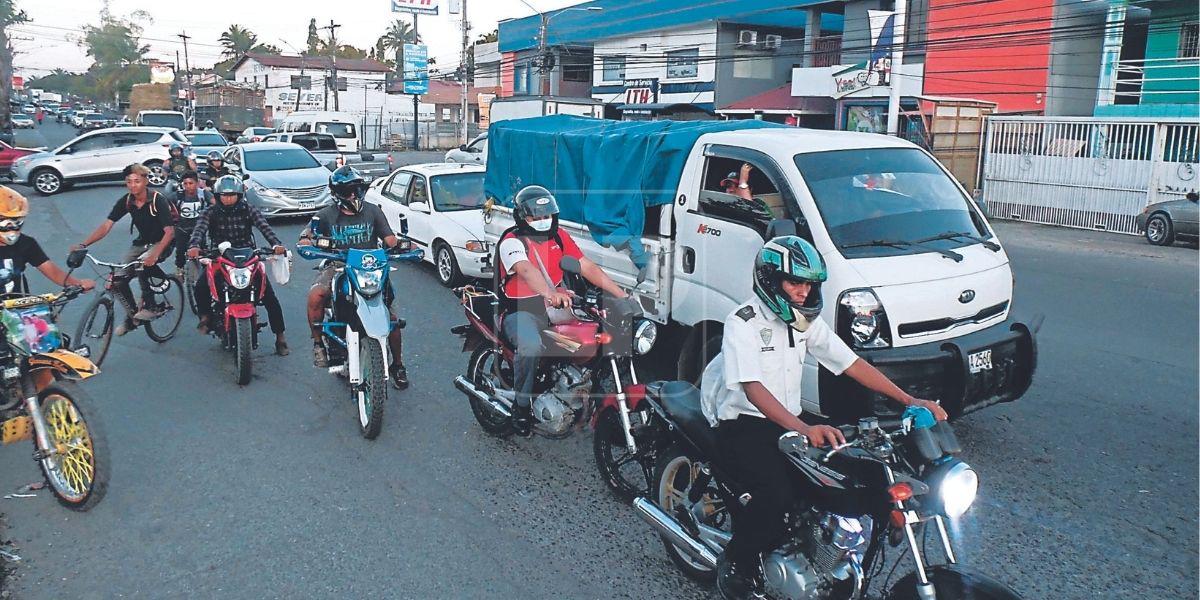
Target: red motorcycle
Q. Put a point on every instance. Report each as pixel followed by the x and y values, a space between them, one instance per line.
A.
pixel 237 281
pixel 579 379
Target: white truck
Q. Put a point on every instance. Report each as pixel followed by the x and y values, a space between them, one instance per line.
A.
pixel 523 107
pixel 918 285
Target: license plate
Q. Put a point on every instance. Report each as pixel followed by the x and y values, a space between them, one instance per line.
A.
pixel 307 204
pixel 980 361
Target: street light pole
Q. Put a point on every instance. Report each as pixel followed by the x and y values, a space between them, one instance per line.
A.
pixel 543 50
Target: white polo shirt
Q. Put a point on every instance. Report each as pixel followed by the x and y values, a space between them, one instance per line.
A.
pixel 757 347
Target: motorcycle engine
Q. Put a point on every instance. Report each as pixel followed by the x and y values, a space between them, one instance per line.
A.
pixel 834 547
pixel 555 408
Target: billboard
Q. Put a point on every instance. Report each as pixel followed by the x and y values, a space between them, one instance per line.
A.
pixel 18 83
pixel 416 69
pixel 417 7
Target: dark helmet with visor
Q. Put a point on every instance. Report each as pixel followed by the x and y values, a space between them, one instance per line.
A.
pixel 229 184
pixel 348 187
pixel 214 155
pixel 537 203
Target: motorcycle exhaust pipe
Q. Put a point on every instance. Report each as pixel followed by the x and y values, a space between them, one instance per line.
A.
pixel 668 527
pixel 469 389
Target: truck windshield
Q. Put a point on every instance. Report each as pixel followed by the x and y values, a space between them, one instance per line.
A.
pixel 461 191
pixel 895 195
pixel 163 120
pixel 207 139
pixel 337 130
pixel 284 159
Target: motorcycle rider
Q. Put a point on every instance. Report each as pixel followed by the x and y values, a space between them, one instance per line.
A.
pixel 232 219
pixel 350 223
pixel 215 169
pixel 151 216
pixel 179 162
pixel 751 394
pixel 529 277
pixel 18 251
pixel 189 203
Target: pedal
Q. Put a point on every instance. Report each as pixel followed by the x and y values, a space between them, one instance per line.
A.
pixel 16 429
pixel 401 323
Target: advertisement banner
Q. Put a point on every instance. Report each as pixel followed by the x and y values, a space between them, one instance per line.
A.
pixel 883 37
pixel 18 83
pixel 418 7
pixel 161 72
pixel 641 91
pixel 416 69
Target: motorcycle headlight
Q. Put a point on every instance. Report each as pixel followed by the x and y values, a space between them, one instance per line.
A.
pixel 239 278
pixel 369 282
pixel 477 246
pixel 862 321
pixel 956 489
pixel 644 336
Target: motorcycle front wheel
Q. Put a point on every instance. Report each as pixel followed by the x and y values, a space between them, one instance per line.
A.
pixel 78 469
pixel 243 345
pixel 485 370
pixel 953 582
pixel 626 473
pixel 372 392
pixel 674 475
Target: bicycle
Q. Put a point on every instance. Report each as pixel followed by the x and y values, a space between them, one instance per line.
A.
pixel 99 320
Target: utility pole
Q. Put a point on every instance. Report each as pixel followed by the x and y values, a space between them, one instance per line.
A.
pixel 893 118
pixel 543 76
pixel 187 64
pixel 464 109
pixel 416 99
pixel 332 27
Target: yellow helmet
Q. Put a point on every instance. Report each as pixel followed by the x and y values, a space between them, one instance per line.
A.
pixel 12 204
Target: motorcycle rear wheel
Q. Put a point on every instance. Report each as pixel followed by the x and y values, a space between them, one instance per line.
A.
pixel 372 392
pixel 78 472
pixel 243 346
pixel 627 474
pixel 484 368
pixel 674 474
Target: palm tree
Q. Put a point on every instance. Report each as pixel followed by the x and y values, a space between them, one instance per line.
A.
pixel 399 34
pixel 237 40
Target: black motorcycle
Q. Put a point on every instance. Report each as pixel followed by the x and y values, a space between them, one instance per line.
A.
pixel 890 484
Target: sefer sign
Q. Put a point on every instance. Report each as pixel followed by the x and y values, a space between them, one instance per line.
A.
pixel 641 91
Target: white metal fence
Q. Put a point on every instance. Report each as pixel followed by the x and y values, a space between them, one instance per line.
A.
pixel 1087 172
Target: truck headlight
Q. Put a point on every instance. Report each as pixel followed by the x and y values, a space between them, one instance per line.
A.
pixel 862 322
pixel 239 278
pixel 369 282
pixel 477 246
pixel 644 337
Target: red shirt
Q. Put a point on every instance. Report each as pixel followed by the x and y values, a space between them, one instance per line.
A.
pixel 548 251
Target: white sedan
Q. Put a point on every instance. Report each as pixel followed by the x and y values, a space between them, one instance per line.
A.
pixel 474 153
pixel 441 203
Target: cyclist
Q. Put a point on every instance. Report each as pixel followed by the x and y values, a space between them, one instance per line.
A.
pixel 18 251
pixel 189 203
pixel 152 217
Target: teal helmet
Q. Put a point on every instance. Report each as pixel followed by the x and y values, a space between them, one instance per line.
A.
pixel 791 258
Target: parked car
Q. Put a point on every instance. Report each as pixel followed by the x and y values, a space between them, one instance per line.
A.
pixel 78 117
pixel 256 134
pixel 98 156
pixel 64 116
pixel 9 155
pixel 95 121
pixel 284 179
pixel 1165 222
pixel 442 205
pixel 322 145
pixel 23 121
pixel 474 153
pixel 340 125
pixel 29 109
pixel 204 142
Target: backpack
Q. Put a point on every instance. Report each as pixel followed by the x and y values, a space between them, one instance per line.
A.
pixel 153 201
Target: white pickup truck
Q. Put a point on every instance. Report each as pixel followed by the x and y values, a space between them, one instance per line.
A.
pixel 919 285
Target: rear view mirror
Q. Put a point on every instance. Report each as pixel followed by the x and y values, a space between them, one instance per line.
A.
pixel 331 165
pixel 366 157
pixel 462 147
pixel 570 264
pixel 245 177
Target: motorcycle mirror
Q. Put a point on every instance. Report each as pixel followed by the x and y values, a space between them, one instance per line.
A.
pixel 223 246
pixel 570 264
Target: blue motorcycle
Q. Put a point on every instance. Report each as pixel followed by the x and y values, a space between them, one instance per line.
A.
pixel 356 324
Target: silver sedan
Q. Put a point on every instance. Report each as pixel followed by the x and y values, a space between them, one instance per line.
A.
pixel 1164 222
pixel 281 179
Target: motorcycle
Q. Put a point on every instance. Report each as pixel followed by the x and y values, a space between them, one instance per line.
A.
pixel 40 401
pixel 236 281
pixel 356 323
pixel 586 375
pixel 891 482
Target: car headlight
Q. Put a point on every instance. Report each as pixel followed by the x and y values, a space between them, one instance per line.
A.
pixel 477 246
pixel 369 282
pixel 862 321
pixel 956 488
pixel 265 192
pixel 644 336
pixel 239 278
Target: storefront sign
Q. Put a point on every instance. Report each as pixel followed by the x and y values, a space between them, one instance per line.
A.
pixel 286 99
pixel 855 78
pixel 416 69
pixel 641 91
pixel 419 7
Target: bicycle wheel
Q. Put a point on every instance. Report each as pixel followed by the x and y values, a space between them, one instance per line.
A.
pixel 96 329
pixel 168 294
pixel 191 272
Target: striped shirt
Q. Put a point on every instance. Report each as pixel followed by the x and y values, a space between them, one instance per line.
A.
pixel 234 226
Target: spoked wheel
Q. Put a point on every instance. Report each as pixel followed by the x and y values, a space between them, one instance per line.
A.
pixel 158 173
pixel 371 394
pixel 628 474
pixel 488 371
pixel 168 294
pixel 674 475
pixel 95 330
pixel 244 344
pixel 77 465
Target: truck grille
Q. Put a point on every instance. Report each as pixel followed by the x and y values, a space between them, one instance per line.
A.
pixel 307 193
pixel 936 325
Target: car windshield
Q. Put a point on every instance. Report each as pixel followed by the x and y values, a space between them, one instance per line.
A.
pixel 896 195
pixel 460 191
pixel 337 130
pixel 260 131
pixel 163 120
pixel 281 159
pixel 95 117
pixel 206 139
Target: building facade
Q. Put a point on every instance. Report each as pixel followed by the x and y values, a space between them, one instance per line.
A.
pixel 365 82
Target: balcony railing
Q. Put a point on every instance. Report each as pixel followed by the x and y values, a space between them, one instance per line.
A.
pixel 827 51
pixel 1157 80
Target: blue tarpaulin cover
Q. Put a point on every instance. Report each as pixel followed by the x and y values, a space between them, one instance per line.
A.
pixel 603 173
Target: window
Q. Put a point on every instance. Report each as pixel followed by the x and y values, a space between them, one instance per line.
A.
pixel 207 139
pixel 337 130
pixel 457 192
pixel 1189 40
pixel 149 138
pixel 95 142
pixel 417 191
pixel 521 79
pixel 720 197
pixel 683 64
pixel 122 140
pixel 614 68
pixel 397 189
pixel 577 69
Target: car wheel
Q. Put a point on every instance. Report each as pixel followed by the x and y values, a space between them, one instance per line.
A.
pixel 46 181
pixel 158 174
pixel 446 266
pixel 1159 230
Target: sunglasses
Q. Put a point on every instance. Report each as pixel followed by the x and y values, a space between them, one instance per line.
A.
pixel 11 224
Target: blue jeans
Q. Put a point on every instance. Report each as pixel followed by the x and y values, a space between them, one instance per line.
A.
pixel 524 330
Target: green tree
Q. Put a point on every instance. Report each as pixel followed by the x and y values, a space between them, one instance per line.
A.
pixel 118 56
pixel 236 41
pixel 394 39
pixel 489 37
pixel 9 15
pixel 314 39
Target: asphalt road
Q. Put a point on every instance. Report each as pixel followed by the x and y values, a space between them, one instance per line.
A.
pixel 1089 483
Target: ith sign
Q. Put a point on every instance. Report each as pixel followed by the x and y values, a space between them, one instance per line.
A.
pixel 641 91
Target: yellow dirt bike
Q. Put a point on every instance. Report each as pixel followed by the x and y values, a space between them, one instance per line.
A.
pixel 40 401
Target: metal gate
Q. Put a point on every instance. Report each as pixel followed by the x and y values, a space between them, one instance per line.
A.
pixel 1087 172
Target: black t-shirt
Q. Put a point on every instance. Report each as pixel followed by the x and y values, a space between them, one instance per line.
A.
pixel 149 220
pixel 25 253
pixel 211 175
pixel 362 231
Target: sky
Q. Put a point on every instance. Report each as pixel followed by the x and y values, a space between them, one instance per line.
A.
pixel 50 39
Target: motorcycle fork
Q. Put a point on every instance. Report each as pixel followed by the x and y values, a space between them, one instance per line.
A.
pixel 41 430
pixel 623 405
pixel 925 589
pixel 352 357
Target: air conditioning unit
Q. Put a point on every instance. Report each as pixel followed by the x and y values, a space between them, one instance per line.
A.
pixel 747 38
pixel 772 42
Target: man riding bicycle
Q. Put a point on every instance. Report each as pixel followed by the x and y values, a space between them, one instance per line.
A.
pixel 151 216
pixel 232 219
pixel 350 223
pixel 18 251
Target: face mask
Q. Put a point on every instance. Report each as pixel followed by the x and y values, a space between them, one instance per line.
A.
pixel 10 237
pixel 542 225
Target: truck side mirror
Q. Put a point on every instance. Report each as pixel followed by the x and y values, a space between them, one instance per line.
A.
pixel 462 147
pixel 331 165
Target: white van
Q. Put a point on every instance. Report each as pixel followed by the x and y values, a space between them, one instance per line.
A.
pixel 342 126
pixel 919 284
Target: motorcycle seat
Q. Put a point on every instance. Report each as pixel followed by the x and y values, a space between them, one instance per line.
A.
pixel 681 401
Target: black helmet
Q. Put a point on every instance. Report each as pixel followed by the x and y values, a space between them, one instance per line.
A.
pixel 214 155
pixel 229 184
pixel 208 124
pixel 537 202
pixel 174 147
pixel 348 187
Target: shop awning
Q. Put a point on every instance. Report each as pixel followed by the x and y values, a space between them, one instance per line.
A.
pixel 781 101
pixel 663 107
